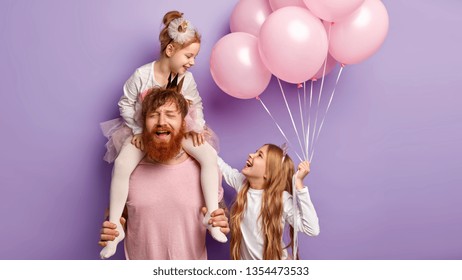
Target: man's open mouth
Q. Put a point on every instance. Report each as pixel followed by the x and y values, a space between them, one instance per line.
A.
pixel 162 132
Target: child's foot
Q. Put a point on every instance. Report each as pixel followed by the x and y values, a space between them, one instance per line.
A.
pixel 215 232
pixel 111 246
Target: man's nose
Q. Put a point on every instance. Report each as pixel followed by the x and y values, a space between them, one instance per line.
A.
pixel 161 120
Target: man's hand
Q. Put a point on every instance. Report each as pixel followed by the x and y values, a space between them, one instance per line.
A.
pixel 109 232
pixel 218 219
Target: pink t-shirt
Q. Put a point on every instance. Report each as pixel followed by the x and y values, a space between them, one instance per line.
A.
pixel 165 222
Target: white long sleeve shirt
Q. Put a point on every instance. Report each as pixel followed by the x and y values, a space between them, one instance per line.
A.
pixel 252 237
pixel 143 79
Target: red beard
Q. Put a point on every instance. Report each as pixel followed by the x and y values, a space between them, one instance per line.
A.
pixel 162 151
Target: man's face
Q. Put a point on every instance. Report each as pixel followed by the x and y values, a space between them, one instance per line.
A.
pixel 163 133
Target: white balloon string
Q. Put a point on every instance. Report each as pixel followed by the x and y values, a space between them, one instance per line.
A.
pixel 311 93
pixel 301 119
pixel 312 154
pixel 322 80
pixel 327 109
pixel 304 99
pixel 316 117
pixel 307 140
pixel 292 119
pixel 280 129
pixel 320 92
pixel 295 209
pixel 305 111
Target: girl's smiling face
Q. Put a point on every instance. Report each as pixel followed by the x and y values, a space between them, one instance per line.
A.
pixel 255 166
pixel 183 59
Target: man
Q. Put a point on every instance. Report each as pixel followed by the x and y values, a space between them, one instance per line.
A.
pixel 165 193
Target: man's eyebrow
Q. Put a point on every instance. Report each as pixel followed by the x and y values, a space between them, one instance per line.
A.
pixel 172 111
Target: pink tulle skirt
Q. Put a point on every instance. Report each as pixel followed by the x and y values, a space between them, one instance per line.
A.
pixel 117 132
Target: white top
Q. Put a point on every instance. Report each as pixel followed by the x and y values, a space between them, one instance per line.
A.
pixel 142 80
pixel 252 238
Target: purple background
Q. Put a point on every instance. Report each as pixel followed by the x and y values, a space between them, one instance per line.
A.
pixel 385 180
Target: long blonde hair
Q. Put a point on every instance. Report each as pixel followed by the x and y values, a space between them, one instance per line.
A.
pixel 280 170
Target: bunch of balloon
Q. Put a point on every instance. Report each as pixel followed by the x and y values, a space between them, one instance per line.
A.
pixel 356 29
pixel 296 41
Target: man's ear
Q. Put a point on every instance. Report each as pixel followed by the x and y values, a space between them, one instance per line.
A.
pixel 169 50
pixel 183 126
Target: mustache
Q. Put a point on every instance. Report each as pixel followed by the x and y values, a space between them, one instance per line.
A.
pixel 161 128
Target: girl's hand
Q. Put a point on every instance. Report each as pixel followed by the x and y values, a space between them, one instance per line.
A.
pixel 198 138
pixel 137 140
pixel 302 171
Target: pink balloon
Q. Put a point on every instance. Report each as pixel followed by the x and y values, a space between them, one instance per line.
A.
pixel 332 10
pixel 293 44
pixel 358 36
pixel 236 66
pixel 277 4
pixel 331 63
pixel 249 15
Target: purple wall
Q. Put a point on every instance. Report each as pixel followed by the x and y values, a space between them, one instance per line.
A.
pixel 385 180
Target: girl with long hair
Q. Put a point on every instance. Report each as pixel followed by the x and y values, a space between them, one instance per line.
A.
pixel 264 204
